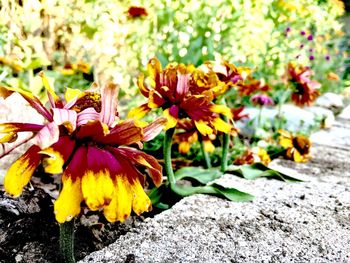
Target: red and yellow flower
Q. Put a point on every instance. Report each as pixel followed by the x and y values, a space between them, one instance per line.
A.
pixel 174 89
pixel 297 147
pixel 188 135
pixel 84 141
pixel 305 90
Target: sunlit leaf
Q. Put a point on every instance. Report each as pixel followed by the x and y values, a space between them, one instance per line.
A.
pixel 199 174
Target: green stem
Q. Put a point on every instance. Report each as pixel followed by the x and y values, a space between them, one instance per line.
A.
pixel 259 116
pixel 225 143
pixel 180 190
pixel 67 242
pixel 205 154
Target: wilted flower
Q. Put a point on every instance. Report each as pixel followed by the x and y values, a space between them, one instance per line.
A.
pixel 298 147
pixel 174 90
pixel 305 90
pixel 83 141
pixel 253 155
pixel 261 100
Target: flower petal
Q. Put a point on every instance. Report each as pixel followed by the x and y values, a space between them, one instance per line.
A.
pixel 109 104
pixel 92 129
pixel 71 94
pixel 53 98
pixel 67 118
pixel 33 101
pixel 97 182
pixel 171 115
pixel 140 158
pixel 125 133
pixel 144 90
pixel 120 206
pixel 47 136
pixel 208 146
pixel 139 112
pixel 57 154
pixel 141 202
pixel 221 109
pixel 152 130
pixel 89 114
pixel 155 100
pixel 68 202
pixel 20 172
pixel 203 127
pixel 221 125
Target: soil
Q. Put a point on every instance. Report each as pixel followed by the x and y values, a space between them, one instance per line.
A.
pixel 29 231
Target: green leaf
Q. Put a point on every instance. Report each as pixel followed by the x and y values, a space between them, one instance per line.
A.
pixel 232 194
pixel 199 174
pixel 257 170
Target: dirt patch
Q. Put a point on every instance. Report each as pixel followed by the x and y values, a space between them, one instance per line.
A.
pixel 29 232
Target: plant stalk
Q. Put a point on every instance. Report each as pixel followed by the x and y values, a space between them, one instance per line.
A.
pixel 180 190
pixel 67 242
pixel 205 154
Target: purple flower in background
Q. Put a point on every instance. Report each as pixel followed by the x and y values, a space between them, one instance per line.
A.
pixel 311 50
pixel 302 33
pixel 311 57
pixel 328 57
pixel 288 29
pixel 261 100
pixel 310 37
pixel 301 46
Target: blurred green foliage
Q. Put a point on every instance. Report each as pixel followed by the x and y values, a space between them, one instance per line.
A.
pixel 264 35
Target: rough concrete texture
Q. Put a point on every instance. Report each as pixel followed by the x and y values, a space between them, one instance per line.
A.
pixel 286 222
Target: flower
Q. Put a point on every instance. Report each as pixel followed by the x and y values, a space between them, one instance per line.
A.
pixel 188 135
pixel 253 155
pixel 135 11
pixel 237 113
pixel 333 76
pixel 84 141
pixel 261 100
pixel 310 37
pixel 298 147
pixel 305 90
pixel 252 86
pixel 175 90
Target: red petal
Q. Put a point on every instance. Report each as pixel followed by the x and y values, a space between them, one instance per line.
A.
pixel 141 158
pixel 153 129
pixel 123 134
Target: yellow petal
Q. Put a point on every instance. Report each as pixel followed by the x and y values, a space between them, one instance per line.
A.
pixel 209 146
pixel 67 204
pixel 48 86
pixel 141 202
pixel 221 125
pixel 184 147
pixel 97 188
pixel 171 121
pixel 139 112
pixel 8 137
pixel 119 208
pixel 203 128
pixel 285 142
pixel 20 172
pixel 222 109
pixel 71 94
pixel 54 162
pixel 298 158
